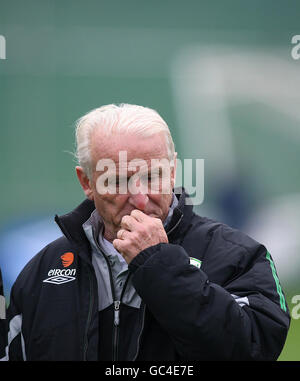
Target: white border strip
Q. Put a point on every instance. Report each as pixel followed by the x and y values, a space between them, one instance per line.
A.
pixel 241 301
pixel 15 328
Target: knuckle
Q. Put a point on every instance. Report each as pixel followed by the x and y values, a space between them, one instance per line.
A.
pixel 135 213
pixel 116 243
pixel 158 221
pixel 124 218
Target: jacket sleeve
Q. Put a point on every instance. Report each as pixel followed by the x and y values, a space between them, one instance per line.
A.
pixel 15 343
pixel 244 319
pixel 3 330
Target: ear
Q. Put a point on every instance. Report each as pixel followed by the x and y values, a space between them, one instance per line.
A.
pixel 173 171
pixel 85 183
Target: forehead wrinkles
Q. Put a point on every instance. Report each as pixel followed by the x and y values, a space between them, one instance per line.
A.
pixel 134 164
pixel 143 167
pixel 142 148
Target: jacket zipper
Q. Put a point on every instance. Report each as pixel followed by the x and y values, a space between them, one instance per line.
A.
pixel 117 304
pixel 116 329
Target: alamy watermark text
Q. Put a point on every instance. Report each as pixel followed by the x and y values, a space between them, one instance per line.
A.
pixel 2 48
pixel 155 176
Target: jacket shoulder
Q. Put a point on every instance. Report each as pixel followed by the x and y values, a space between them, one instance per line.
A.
pixel 40 263
pixel 220 235
pixel 223 250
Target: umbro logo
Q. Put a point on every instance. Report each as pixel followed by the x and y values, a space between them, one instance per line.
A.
pixel 61 276
pixel 59 279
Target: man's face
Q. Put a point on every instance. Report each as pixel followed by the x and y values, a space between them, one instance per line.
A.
pixel 139 152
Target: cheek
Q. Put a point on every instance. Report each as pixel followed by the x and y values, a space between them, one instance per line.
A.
pixel 110 205
pixel 163 201
pixel 156 198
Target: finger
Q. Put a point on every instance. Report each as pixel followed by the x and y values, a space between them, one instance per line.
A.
pixel 139 215
pixel 118 245
pixel 126 250
pixel 122 234
pixel 129 223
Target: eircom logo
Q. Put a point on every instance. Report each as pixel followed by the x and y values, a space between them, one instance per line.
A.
pixel 60 276
pixel 67 259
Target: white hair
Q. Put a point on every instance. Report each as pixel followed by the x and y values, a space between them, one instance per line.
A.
pixel 113 119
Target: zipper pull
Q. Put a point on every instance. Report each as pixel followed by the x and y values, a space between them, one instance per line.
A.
pixel 117 312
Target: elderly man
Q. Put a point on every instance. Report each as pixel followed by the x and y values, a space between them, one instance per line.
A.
pixel 137 275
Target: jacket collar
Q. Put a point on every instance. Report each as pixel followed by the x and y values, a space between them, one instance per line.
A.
pixel 181 218
pixel 71 223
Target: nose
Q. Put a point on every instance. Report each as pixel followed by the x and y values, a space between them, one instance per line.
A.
pixel 139 201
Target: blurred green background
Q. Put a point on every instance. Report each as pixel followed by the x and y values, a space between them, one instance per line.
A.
pixel 219 72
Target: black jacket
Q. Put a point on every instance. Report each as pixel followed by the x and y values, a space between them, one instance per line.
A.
pixel 231 308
